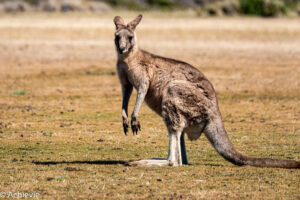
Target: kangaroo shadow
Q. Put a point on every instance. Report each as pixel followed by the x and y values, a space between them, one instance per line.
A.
pixel 107 162
pixel 95 162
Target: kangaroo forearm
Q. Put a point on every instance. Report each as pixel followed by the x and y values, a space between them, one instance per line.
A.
pixel 139 100
pixel 126 93
pixel 142 91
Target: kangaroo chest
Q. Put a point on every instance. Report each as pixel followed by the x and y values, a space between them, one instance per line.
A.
pixel 132 73
pixel 142 75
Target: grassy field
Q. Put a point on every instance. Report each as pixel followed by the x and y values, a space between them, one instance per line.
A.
pixel 60 121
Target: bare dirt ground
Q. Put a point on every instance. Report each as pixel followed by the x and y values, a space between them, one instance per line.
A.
pixel 60 121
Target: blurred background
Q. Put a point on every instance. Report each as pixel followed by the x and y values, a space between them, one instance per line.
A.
pixel 265 8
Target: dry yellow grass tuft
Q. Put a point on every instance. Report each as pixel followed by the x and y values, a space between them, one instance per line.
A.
pixel 60 124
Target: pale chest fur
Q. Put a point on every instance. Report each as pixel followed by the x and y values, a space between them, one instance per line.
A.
pixel 133 73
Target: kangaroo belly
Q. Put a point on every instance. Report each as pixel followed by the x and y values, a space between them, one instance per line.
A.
pixel 194 132
pixel 153 99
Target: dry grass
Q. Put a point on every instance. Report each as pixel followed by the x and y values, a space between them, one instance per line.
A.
pixel 59 95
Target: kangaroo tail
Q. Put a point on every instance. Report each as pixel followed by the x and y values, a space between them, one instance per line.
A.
pixel 217 135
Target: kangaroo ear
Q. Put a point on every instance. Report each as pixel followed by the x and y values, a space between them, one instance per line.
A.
pixel 132 25
pixel 119 22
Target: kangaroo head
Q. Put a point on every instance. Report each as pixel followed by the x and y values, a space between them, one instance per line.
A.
pixel 125 38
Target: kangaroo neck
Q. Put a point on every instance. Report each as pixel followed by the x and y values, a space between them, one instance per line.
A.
pixel 130 56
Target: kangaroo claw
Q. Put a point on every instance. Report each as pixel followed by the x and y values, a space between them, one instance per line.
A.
pixel 135 126
pixel 125 126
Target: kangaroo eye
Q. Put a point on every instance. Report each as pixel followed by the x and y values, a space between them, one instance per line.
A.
pixel 130 38
pixel 117 37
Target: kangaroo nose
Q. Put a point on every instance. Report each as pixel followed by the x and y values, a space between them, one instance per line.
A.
pixel 122 45
pixel 123 49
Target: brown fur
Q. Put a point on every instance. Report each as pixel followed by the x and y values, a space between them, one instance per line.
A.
pixel 180 94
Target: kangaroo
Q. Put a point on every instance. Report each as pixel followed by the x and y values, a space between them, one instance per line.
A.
pixel 181 95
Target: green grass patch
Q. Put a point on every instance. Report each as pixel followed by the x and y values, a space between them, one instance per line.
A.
pixel 19 92
pixel 263 8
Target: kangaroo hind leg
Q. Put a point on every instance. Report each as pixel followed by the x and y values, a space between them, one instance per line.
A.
pixel 183 150
pixel 176 156
pixel 175 151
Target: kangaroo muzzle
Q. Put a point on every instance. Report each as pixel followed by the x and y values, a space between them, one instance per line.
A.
pixel 122 46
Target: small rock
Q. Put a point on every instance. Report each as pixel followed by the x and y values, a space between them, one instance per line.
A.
pixel 49 6
pixel 72 5
pixel 65 125
pixel 47 134
pixel 50 178
pixel 211 12
pixel 14 160
pixel 16 6
pixel 262 120
pixel 56 178
pixel 199 180
pixel 72 169
pixel 230 9
pixel 269 182
pixel 100 140
pixel 96 6
pixel 159 179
